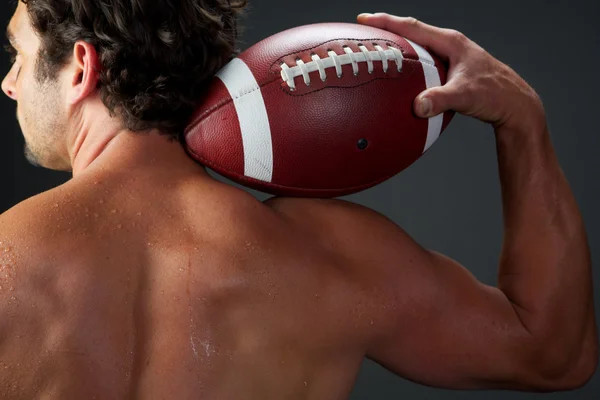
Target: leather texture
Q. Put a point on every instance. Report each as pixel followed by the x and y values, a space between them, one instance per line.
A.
pixel 315 129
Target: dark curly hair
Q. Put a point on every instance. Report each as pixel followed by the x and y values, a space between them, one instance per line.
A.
pixel 156 56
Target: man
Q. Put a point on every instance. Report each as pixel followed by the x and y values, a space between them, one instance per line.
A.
pixel 143 277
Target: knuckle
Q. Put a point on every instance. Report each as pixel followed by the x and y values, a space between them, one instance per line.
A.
pixel 457 37
pixel 412 21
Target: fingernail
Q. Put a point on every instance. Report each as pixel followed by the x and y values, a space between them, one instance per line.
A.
pixel 365 15
pixel 425 107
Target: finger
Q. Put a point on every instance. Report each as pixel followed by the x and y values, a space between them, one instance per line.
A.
pixel 451 96
pixel 445 43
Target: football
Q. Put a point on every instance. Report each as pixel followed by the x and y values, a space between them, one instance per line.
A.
pixel 321 110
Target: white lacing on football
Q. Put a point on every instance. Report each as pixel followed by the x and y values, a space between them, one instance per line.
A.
pixel 288 73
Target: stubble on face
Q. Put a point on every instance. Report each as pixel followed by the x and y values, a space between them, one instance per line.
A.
pixel 41 117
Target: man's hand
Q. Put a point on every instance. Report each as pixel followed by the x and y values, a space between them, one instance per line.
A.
pixel 478 85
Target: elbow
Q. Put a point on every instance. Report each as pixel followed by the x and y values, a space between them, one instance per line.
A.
pixel 588 374
pixel 574 374
pixel 579 376
pixel 586 367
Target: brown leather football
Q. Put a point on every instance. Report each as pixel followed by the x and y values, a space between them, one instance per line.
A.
pixel 321 110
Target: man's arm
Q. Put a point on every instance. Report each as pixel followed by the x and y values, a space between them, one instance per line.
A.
pixel 431 320
pixel 545 265
pixel 427 319
pixel 541 316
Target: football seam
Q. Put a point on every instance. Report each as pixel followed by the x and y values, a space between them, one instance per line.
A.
pixel 277 77
pixel 335 40
pixel 225 102
pixel 289 93
pixel 275 66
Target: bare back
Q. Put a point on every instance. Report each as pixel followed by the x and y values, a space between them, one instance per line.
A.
pixel 173 291
pixel 160 282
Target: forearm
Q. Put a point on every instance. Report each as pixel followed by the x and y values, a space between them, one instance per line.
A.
pixel 545 267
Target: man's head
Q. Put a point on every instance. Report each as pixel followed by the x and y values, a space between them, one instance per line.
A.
pixel 138 65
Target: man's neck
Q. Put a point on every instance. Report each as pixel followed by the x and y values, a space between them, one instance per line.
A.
pixel 128 150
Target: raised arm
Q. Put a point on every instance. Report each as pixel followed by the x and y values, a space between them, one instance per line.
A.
pixel 433 322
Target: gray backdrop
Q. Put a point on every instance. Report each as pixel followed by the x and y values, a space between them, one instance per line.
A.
pixel 450 199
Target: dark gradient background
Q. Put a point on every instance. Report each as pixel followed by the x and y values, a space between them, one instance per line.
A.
pixel 450 199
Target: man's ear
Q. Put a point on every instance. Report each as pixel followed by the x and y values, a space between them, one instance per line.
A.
pixel 85 72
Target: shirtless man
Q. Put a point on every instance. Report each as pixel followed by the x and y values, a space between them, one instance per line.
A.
pixel 143 277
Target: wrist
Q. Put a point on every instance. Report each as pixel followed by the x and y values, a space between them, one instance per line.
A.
pixel 528 119
pixel 522 131
pixel 531 141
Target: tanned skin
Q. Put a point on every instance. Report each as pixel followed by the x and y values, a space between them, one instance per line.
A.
pixel 143 277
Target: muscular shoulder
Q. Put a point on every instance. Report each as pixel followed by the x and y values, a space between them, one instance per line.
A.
pixel 347 227
pixel 43 290
pixel 28 233
pixel 37 227
pixel 361 238
pixel 34 211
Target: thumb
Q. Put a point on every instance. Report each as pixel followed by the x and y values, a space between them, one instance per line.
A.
pixel 434 101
